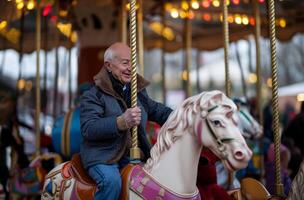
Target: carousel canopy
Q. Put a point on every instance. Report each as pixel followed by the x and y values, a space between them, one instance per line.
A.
pixel 96 23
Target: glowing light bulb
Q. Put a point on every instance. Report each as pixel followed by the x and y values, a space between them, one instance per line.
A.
pixel 195 5
pixel 174 13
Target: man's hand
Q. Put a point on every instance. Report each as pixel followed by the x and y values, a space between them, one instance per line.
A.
pixel 129 119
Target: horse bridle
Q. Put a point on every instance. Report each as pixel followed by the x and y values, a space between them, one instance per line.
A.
pixel 219 141
pixel 248 119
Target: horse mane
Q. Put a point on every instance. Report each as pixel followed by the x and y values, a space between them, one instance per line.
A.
pixel 182 119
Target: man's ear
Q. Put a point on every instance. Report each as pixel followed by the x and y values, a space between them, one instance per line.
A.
pixel 107 66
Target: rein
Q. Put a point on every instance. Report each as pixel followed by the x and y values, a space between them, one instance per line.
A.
pixel 219 141
pixel 246 116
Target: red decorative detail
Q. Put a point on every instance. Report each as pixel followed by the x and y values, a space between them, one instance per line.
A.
pixel 206 3
pixel 152 130
pixel 65 170
pixel 54 19
pixel 252 21
pixel 47 9
pixel 206 178
pixel 236 2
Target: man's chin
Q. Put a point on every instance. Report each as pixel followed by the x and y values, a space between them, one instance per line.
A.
pixel 126 80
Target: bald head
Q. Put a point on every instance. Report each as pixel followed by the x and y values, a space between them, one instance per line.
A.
pixel 115 51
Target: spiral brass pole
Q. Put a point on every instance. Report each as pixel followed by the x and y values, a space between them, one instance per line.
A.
pixel 274 76
pixel 140 38
pixel 123 22
pixel 55 90
pixel 198 64
pixel 38 45
pixel 134 151
pixel 187 43
pixel 226 58
pixel 163 60
pixel 257 36
pixel 226 47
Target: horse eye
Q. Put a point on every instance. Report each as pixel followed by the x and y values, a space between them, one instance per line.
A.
pixel 216 123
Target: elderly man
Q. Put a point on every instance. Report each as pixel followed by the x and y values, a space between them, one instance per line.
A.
pixel 106 119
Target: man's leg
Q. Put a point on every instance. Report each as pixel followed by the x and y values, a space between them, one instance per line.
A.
pixel 108 181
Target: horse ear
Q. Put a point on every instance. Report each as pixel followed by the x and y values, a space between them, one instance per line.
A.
pixel 217 97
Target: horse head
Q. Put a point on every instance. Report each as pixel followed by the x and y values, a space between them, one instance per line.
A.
pixel 219 122
pixel 250 127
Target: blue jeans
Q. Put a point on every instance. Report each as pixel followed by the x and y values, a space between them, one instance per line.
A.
pixel 107 178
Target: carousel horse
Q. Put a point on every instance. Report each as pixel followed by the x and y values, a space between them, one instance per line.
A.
pixel 66 136
pixel 206 120
pixel 213 178
pixel 29 181
pixel 66 132
pixel 252 131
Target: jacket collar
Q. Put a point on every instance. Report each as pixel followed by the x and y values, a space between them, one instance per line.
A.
pixel 103 82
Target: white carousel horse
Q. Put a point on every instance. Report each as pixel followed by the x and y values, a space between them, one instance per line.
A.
pixel 251 130
pixel 206 120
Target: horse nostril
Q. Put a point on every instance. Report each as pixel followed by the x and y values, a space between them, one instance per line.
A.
pixel 239 155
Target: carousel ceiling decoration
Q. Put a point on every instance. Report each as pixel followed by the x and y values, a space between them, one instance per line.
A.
pixel 93 22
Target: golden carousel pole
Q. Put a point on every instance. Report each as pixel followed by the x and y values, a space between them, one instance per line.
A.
pixel 123 22
pixel 55 90
pixel 275 100
pixel 187 44
pixel 70 45
pixel 38 45
pixel 226 47
pixel 226 58
pixel 257 36
pixel 163 55
pixel 140 38
pixel 134 151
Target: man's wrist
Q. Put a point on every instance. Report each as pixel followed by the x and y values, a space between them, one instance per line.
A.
pixel 121 123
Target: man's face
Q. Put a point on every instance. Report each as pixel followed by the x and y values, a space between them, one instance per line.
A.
pixel 120 65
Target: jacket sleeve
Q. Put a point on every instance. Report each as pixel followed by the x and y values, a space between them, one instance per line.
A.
pixel 157 112
pixel 94 124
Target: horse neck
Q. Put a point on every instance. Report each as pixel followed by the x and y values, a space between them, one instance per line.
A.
pixel 177 167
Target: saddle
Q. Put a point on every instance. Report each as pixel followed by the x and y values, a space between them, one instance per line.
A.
pixel 79 172
pixel 85 186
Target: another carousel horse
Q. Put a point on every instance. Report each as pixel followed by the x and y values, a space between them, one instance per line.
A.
pixel 251 129
pixel 28 181
pixel 66 136
pixel 206 120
